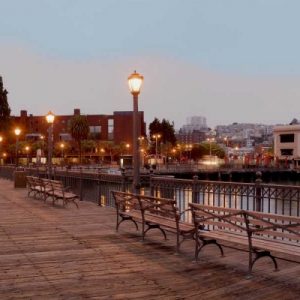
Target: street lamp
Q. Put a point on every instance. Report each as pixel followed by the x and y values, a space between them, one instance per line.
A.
pixel 1 140
pixel 189 148
pixel 102 154
pixel 27 154
pixel 50 119
pixel 226 141
pixel 156 137
pixel 210 140
pixel 17 133
pixel 62 146
pixel 135 81
pixel 127 148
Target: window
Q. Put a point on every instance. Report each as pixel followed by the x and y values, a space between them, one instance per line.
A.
pixel 286 152
pixel 110 129
pixel 287 138
pixel 95 132
pixel 65 137
pixel 95 129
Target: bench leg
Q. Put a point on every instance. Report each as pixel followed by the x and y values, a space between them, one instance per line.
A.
pixel 204 243
pixel 151 226
pixel 125 218
pixel 185 236
pixel 258 255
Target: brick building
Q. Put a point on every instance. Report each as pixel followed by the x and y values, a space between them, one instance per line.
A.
pixel 116 127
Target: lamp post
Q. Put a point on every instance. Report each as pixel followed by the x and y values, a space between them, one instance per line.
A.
pixel 189 147
pixel 27 154
pixel 210 140
pixel 135 81
pixel 1 140
pixel 226 141
pixel 50 119
pixel 62 147
pixel 17 133
pixel 102 154
pixel 156 137
pixel 127 148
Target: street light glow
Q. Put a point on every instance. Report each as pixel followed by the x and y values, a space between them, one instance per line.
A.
pixel 156 136
pixel 135 81
pixel 50 117
pixel 17 131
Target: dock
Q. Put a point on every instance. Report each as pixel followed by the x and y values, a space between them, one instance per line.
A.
pixel 56 252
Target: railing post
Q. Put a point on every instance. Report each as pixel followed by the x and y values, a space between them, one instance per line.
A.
pixel 99 188
pixel 150 183
pixel 230 176
pixel 258 191
pixel 194 189
pixel 80 183
pixel 123 173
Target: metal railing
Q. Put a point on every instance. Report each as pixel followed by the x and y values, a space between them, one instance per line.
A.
pixel 258 196
pixel 97 187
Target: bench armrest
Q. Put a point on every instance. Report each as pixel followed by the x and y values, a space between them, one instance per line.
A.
pixel 184 212
pixel 67 188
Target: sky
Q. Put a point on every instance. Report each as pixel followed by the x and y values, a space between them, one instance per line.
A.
pixel 229 61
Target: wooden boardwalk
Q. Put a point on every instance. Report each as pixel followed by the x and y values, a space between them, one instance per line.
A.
pixel 67 253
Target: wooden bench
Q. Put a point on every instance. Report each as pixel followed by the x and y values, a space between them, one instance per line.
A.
pixel 152 212
pixel 37 186
pixel 263 234
pixel 50 188
pixel 34 186
pixel 57 191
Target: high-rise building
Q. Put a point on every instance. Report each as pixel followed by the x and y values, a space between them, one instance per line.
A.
pixel 194 131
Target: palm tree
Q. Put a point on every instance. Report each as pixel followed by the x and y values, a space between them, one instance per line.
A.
pixel 79 129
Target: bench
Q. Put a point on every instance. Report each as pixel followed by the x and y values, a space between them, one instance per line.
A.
pixel 151 212
pixel 35 186
pixel 50 188
pixel 57 191
pixel 262 233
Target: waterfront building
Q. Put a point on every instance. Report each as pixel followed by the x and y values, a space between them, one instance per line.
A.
pixel 287 143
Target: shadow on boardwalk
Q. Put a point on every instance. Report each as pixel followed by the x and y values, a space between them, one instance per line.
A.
pixel 67 253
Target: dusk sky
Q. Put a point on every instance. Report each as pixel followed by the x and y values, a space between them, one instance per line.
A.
pixel 230 61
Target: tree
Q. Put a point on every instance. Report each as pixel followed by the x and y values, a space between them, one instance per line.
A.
pixel 79 129
pixel 198 151
pixel 4 108
pixel 165 129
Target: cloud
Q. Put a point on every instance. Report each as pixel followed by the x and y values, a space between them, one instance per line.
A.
pixel 173 89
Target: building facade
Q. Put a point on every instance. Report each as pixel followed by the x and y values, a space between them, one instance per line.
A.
pixel 287 143
pixel 116 128
pixel 194 131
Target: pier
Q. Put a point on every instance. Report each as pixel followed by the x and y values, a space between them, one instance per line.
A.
pixel 68 253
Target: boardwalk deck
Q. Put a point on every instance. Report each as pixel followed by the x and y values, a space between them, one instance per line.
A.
pixel 68 253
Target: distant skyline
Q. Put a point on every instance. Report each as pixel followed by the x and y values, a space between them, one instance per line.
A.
pixel 229 61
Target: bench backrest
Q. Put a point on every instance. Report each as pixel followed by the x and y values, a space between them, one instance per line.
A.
pixel 249 223
pixel 148 205
pixel 125 201
pixel 161 207
pixel 30 180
